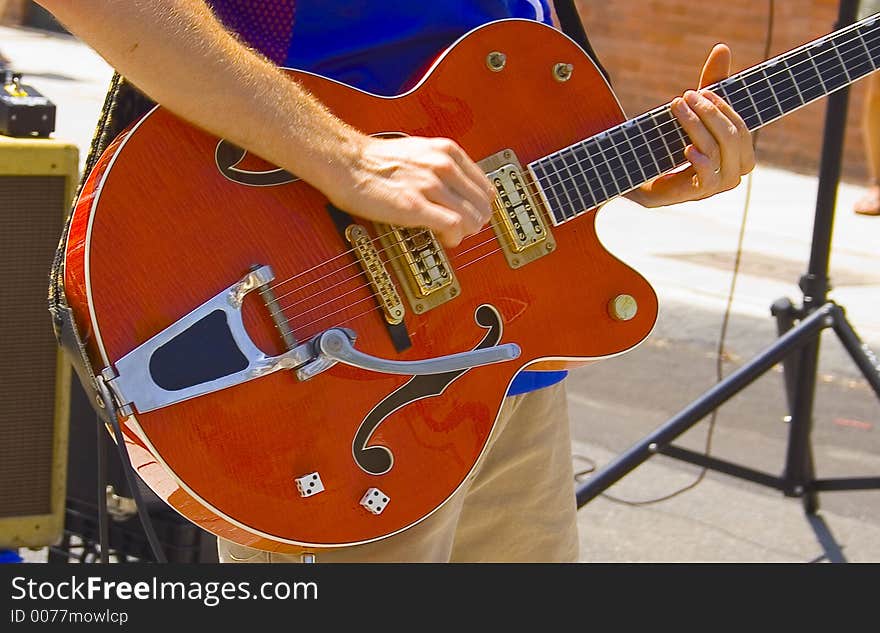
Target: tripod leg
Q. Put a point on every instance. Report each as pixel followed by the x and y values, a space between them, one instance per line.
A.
pixel 785 313
pixel 799 472
pixel 861 354
pixel 650 445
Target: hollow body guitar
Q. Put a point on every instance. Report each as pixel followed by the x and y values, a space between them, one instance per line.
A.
pixel 291 377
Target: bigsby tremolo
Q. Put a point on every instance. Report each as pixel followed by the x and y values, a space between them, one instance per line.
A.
pixel 210 349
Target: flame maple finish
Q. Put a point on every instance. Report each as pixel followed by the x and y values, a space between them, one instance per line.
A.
pixel 158 230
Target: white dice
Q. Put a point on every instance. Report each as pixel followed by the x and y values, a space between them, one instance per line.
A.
pixel 309 485
pixel 375 500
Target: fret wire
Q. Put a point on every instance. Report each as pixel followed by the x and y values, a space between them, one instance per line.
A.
pixel 623 131
pixel 833 62
pixel 842 63
pixel 795 84
pixel 602 136
pixel 560 186
pixel 592 169
pixel 584 183
pixel 815 61
pixel 773 92
pixel 818 65
pixel 754 105
pixel 681 138
pixel 868 53
pixel 638 125
pixel 608 181
pixel 784 92
pixel 663 138
pixel 620 158
pixel 557 186
pixel 549 195
pixel 656 143
pixel 808 58
pixel 760 87
pixel 574 210
pixel 861 38
pixel 818 72
pixel 858 61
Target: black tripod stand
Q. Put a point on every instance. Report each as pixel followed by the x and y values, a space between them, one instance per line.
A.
pixel 797 348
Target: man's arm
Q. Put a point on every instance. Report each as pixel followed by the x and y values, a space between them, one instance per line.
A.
pixel 182 57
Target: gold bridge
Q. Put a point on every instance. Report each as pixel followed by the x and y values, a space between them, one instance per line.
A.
pixel 380 280
pixel 517 219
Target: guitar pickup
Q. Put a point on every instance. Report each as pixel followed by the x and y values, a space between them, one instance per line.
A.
pixel 421 264
pixel 518 220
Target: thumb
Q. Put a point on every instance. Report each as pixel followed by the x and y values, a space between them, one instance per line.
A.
pixel 717 66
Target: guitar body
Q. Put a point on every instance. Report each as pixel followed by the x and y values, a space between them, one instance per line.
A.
pixel 158 230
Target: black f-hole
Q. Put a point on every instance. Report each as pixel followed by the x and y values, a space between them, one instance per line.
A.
pixel 377 460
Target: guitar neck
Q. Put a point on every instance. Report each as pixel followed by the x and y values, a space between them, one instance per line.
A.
pixel 591 172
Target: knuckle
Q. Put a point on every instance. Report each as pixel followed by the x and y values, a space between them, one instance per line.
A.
pixel 444 165
pixel 445 145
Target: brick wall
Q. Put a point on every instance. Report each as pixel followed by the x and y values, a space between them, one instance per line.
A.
pixel 12 12
pixel 654 49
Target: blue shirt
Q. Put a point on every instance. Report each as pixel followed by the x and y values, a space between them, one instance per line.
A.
pixel 380 47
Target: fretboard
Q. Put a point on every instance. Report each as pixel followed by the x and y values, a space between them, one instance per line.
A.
pixel 593 171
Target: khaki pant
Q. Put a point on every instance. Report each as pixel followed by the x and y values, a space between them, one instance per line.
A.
pixel 518 506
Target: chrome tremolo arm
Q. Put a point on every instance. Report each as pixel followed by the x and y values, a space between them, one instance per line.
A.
pixel 336 346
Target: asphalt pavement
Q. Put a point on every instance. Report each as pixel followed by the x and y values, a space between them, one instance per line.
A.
pixel 667 509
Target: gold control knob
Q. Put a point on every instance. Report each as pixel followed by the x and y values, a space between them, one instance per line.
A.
pixel 623 307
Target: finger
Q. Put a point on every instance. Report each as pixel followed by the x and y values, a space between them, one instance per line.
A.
pixel 444 224
pixel 676 186
pixel 698 131
pixel 747 147
pixel 708 175
pixel 474 185
pixel 450 200
pixel 717 65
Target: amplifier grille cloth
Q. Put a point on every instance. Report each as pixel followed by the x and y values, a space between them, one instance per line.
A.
pixel 31 212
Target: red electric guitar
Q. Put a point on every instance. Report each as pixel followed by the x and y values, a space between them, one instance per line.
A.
pixel 291 377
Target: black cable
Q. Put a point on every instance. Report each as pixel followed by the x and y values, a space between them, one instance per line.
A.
pixel 722 337
pixel 103 519
pixel 132 479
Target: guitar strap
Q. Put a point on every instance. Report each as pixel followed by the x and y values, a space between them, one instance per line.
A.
pixel 116 113
pixel 570 23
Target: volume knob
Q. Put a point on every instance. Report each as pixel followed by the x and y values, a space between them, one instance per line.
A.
pixel 623 307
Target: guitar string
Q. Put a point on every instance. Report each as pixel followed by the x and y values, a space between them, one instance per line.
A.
pixel 359 269
pixel 361 272
pixel 774 96
pixel 370 296
pixel 372 309
pixel 734 98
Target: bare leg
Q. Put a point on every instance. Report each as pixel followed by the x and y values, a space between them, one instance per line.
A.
pixel 869 204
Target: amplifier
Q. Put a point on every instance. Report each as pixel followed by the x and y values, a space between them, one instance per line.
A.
pixel 38 178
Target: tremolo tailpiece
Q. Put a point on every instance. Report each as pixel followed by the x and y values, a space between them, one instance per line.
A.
pixel 209 349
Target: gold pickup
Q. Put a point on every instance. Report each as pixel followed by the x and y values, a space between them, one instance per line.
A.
pixel 421 264
pixel 517 219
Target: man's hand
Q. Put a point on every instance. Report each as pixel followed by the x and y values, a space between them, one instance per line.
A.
pixel 721 152
pixel 417 181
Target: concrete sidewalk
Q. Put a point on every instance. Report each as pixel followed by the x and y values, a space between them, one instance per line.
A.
pixel 687 252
